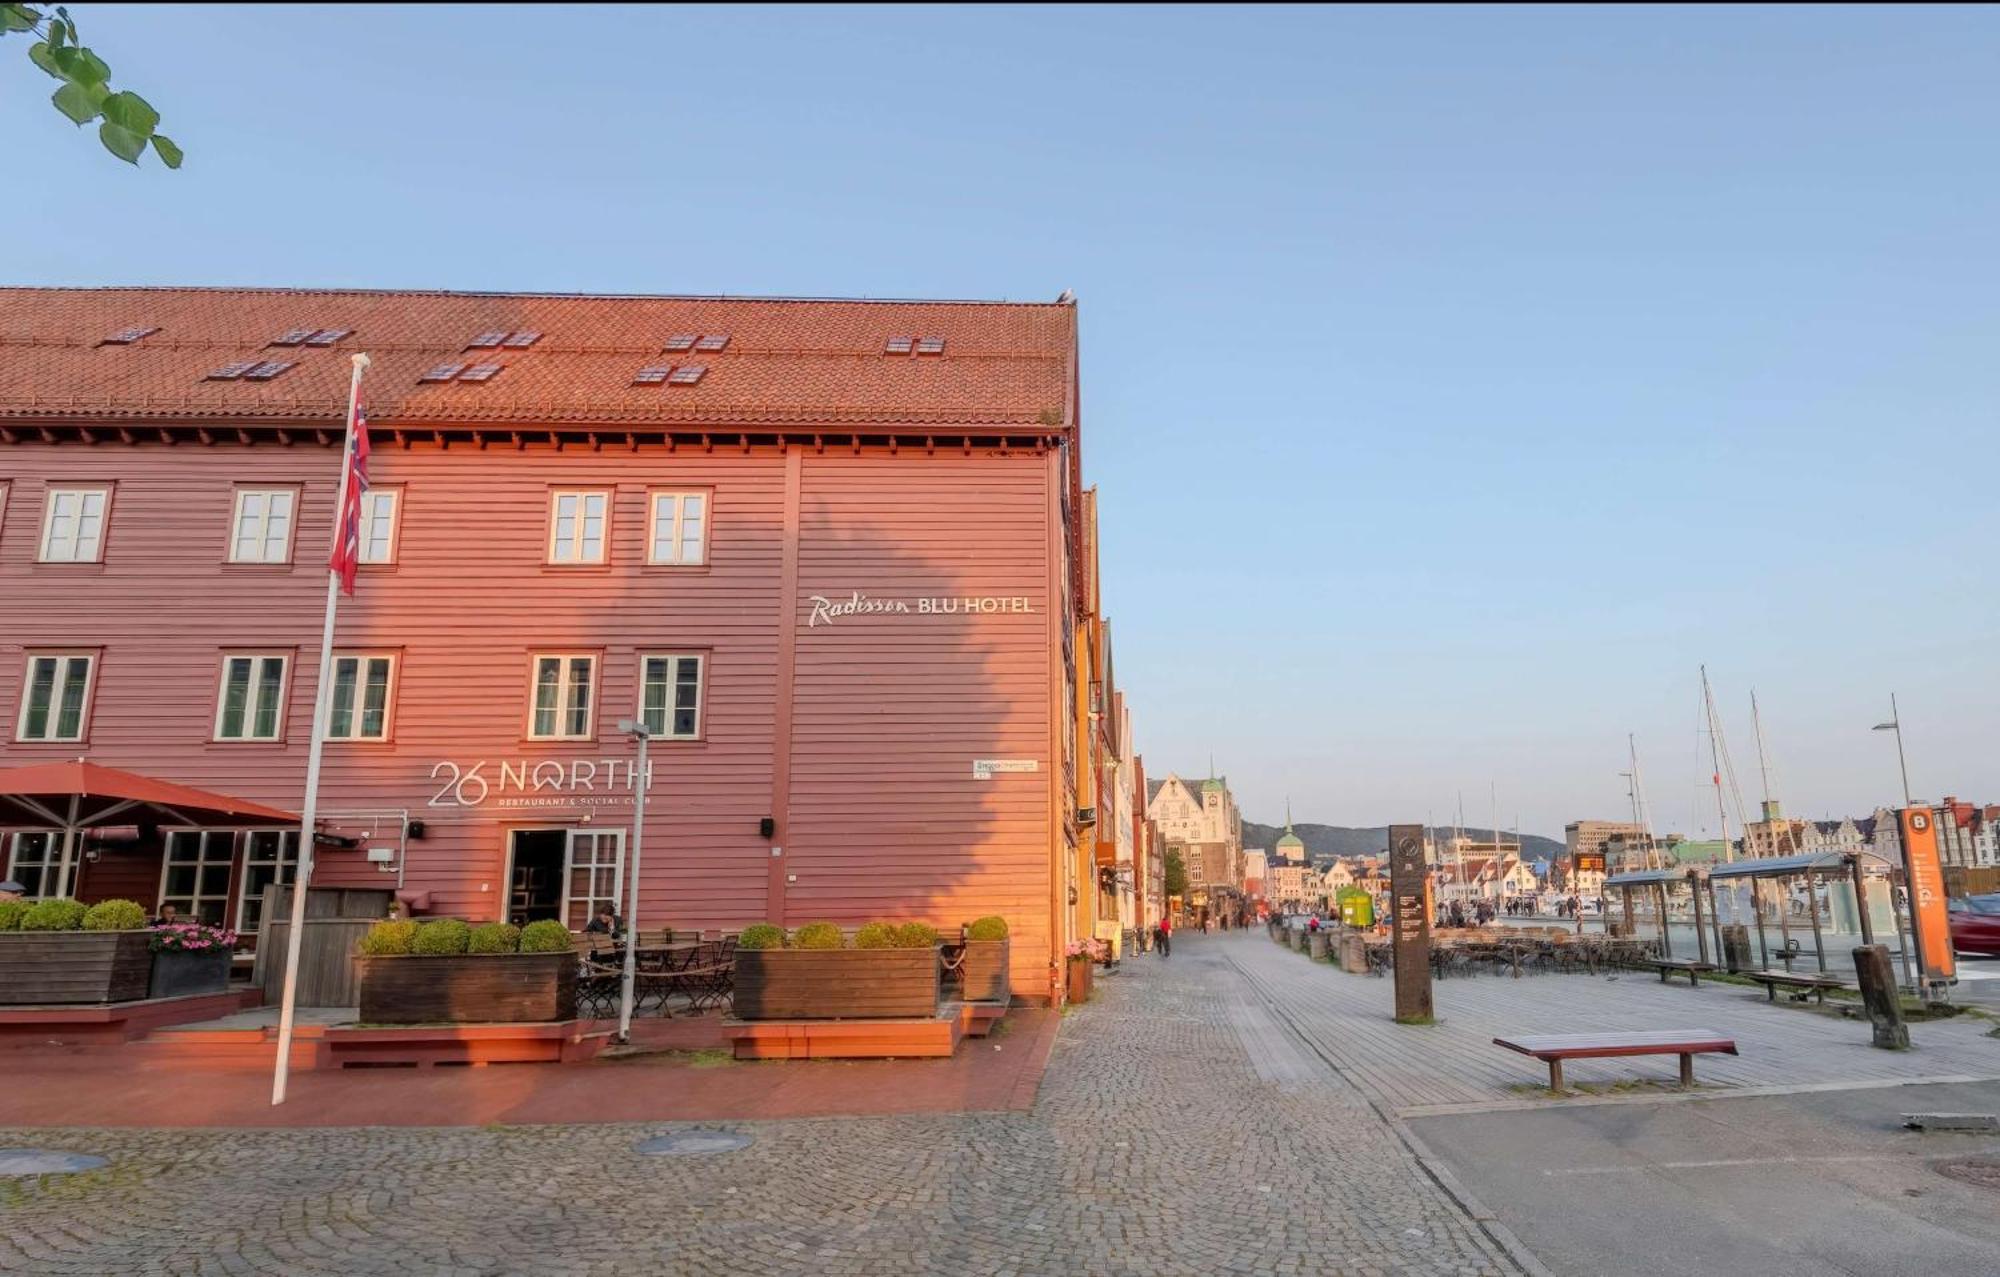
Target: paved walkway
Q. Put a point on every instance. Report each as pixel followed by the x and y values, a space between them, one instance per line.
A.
pixel 1180 1128
pixel 1454 1064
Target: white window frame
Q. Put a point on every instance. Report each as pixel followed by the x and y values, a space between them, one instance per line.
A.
pixel 250 705
pixel 262 535
pixel 63 662
pixel 596 839
pixel 286 867
pixel 564 685
pixel 667 708
pixel 360 661
pixel 61 861
pixel 207 842
pixel 50 504
pixel 668 552
pixel 371 516
pixel 572 549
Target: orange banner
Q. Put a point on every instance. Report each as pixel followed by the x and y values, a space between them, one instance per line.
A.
pixel 1926 879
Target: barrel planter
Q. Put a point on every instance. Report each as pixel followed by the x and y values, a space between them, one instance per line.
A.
pixel 48 967
pixel 1079 972
pixel 837 984
pixel 469 988
pixel 1316 946
pixel 1298 938
pixel 187 975
pixel 984 971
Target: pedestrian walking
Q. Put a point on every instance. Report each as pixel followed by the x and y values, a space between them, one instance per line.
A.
pixel 1163 936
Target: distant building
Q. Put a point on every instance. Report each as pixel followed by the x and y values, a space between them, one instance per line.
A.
pixel 1586 855
pixel 1774 835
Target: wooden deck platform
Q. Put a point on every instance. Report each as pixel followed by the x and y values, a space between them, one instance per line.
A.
pixel 476 1045
pixel 935 1037
pixel 98 1023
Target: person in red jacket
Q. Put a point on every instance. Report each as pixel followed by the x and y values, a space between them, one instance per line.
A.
pixel 1163 936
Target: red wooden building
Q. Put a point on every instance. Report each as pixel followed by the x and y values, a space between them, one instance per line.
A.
pixel 827 549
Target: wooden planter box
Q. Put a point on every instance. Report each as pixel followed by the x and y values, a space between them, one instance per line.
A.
pixel 41 967
pixel 836 984
pixel 473 988
pixel 181 975
pixel 985 971
pixel 1079 972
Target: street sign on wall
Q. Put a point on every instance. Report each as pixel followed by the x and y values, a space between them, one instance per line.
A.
pixel 1926 879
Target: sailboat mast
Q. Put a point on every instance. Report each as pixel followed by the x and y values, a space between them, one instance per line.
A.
pixel 1715 765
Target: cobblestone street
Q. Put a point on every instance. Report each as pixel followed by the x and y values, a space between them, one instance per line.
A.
pixel 1178 1130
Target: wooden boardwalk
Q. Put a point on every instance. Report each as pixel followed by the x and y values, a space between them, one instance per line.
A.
pixel 1347 1019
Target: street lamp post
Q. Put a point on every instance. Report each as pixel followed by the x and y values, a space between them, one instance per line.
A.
pixel 635 728
pixel 1895 724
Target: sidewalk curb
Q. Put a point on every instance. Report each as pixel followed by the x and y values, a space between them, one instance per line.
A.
pixel 1440 1174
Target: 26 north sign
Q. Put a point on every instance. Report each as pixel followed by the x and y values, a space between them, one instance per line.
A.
pixel 578 782
pixel 827 611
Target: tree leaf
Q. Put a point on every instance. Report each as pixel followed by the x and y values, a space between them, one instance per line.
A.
pixel 18 17
pixel 80 66
pixel 44 57
pixel 57 30
pixel 79 102
pixel 170 155
pixel 121 142
pixel 130 111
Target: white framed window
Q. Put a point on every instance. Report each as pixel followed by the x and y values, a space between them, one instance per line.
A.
pixel 577 526
pixel 678 528
pixel 670 694
pixel 43 862
pixel 564 687
pixel 55 697
pixel 596 862
pixel 73 525
pixel 252 704
pixel 269 856
pixel 260 531
pixel 362 688
pixel 194 877
pixel 380 508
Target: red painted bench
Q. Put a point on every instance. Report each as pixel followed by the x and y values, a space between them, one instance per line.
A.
pixel 1554 1048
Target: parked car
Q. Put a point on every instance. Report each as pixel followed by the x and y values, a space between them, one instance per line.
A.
pixel 1975 924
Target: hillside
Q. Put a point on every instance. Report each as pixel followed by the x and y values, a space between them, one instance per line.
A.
pixel 1345 840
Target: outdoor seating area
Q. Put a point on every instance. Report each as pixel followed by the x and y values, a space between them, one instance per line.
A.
pixel 673 973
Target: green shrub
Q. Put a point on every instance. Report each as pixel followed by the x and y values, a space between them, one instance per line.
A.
pixel 875 935
pixel 546 936
pixel 494 937
pixel 442 938
pixel 761 935
pixel 391 939
pixel 56 914
pixel 114 915
pixel 11 912
pixel 818 935
pixel 991 927
pixel 916 935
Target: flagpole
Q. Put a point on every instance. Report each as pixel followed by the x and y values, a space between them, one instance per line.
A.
pixel 307 815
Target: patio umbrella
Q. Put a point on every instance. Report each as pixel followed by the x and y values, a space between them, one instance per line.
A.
pixel 81 795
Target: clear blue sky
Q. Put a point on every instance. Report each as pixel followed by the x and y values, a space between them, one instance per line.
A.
pixel 1456 380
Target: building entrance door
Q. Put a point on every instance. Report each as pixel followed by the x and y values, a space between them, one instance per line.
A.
pixel 535 877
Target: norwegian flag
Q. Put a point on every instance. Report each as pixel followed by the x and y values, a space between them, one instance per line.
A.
pixel 347 532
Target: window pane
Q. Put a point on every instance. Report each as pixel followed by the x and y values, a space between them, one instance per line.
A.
pixel 692 527
pixel 249 525
pixel 76 675
pixel 662 547
pixel 380 509
pixel 579 696
pixel 340 715
pixel 687 695
pixel 41 690
pixel 271 679
pixel 548 674
pixel 593 527
pixel 375 700
pixel 277 527
pixel 89 524
pixel 235 697
pixel 565 538
pixel 653 694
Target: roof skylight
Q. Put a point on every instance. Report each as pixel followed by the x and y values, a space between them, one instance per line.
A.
pixel 930 345
pixel 127 336
pixel 327 336
pixel 681 341
pixel 230 372
pixel 487 340
pixel 268 369
pixel 899 346
pixel 653 376
pixel 442 372
pixel 687 374
pixel 522 340
pixel 713 341
pixel 292 337
pixel 481 372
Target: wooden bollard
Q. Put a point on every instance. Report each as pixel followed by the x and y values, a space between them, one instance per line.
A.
pixel 1878 993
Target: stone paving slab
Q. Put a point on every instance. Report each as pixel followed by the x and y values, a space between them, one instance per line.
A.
pixel 1155 1146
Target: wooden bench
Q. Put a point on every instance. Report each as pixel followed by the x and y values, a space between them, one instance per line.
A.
pixel 1813 984
pixel 1680 966
pixel 1554 1048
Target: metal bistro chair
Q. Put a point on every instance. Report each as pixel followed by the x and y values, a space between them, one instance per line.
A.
pixel 598 985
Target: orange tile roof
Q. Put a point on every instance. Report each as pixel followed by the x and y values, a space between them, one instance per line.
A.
pixel 788 362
